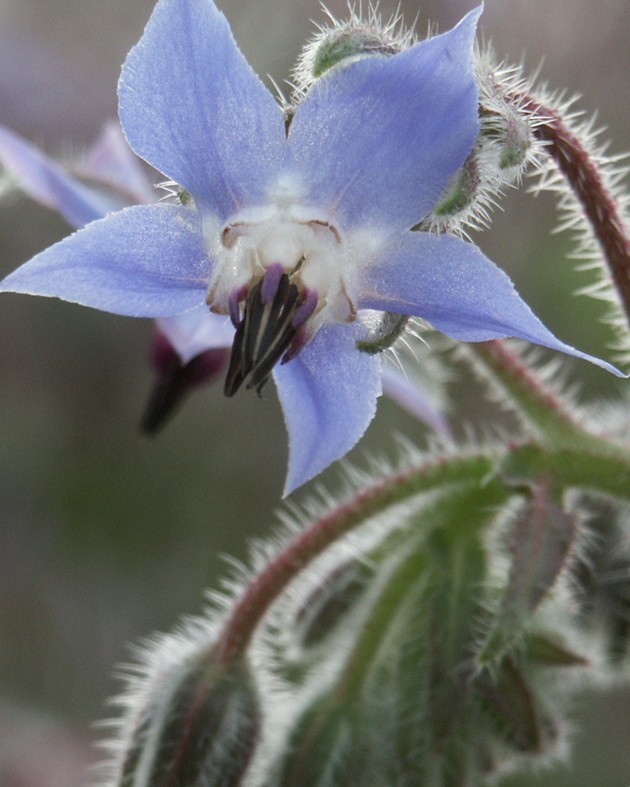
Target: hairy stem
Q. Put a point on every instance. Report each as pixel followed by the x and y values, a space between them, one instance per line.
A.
pixel 324 531
pixel 598 470
pixel 586 180
pixel 538 405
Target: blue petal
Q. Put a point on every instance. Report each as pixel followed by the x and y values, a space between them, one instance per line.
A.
pixel 111 162
pixel 45 181
pixel 191 106
pixel 328 395
pixel 145 261
pixel 414 398
pixel 196 331
pixel 380 139
pixel 461 292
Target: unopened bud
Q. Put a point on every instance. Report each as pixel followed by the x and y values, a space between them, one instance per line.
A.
pixel 199 729
pixel 507 143
pixel 344 42
pixel 328 604
pixel 505 147
pixel 349 42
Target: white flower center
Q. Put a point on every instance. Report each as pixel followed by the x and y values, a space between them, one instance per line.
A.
pixel 281 272
pixel 307 247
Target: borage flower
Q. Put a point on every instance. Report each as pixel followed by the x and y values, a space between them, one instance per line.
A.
pixel 299 232
pixel 190 350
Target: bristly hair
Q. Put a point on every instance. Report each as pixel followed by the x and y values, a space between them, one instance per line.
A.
pixel 161 658
pixel 380 35
pixel 613 172
pixel 505 149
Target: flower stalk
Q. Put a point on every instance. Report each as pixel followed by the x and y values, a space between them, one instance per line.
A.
pixel 325 531
pixel 585 179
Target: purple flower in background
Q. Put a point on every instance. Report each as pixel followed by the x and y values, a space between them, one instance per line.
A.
pixel 296 235
pixel 189 350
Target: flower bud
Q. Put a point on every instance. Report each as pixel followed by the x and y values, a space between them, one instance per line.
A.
pixel 542 540
pixel 344 42
pixel 505 147
pixel 326 607
pixel 199 728
pixel 347 42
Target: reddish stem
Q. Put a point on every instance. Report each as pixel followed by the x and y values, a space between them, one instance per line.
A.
pixel 530 389
pixel 585 178
pixel 267 586
pixel 278 573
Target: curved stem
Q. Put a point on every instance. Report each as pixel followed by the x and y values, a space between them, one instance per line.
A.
pixel 605 468
pixel 540 406
pixel 568 468
pixel 589 186
pixel 324 531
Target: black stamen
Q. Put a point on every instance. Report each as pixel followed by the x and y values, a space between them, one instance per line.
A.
pixel 262 336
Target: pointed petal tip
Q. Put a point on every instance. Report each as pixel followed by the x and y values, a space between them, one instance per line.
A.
pixel 143 261
pixel 454 286
pixel 192 106
pixel 476 12
pixel 328 395
pixel 466 29
pixel 608 367
pixel 469 22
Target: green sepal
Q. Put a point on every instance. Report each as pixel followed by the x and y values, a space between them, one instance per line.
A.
pixel 391 328
pixel 546 652
pixel 346 43
pixel 461 191
pixel 513 710
pixel 199 730
pixel 325 608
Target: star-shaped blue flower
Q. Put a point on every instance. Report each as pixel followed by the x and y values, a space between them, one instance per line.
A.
pixel 299 237
pixel 189 349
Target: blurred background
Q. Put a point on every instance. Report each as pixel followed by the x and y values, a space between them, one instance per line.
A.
pixel 105 535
